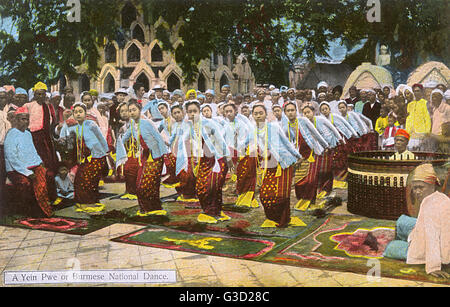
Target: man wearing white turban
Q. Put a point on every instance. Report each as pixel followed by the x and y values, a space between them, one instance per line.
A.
pixel 429 241
pixel 322 86
pixel 425 239
pixel 440 111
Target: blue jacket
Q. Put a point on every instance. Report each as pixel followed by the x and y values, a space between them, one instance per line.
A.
pixel 92 137
pixel 20 153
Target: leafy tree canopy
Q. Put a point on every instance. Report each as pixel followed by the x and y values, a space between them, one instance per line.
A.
pixel 272 34
pixel 38 43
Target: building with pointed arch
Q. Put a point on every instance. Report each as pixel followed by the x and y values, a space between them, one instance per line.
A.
pixel 141 58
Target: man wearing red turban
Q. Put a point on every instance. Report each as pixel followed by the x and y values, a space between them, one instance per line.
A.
pixel 401 140
pixel 24 169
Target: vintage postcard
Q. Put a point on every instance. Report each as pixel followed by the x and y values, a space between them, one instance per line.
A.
pixel 225 143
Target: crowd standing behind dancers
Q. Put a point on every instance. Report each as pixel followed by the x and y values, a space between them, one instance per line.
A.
pixel 264 144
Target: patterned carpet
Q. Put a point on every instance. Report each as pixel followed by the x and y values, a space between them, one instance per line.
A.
pixel 337 241
pixel 57 224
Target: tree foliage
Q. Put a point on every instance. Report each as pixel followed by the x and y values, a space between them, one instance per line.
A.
pixel 222 27
pixel 272 34
pixel 415 31
pixel 39 43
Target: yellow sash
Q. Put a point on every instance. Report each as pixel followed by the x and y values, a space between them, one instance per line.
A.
pixel 261 172
pixel 195 168
pixel 295 125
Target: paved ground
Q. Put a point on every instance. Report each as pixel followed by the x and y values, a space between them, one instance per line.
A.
pixel 29 250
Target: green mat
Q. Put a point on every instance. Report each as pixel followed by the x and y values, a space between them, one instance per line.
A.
pixel 203 243
pixel 337 245
pixel 332 243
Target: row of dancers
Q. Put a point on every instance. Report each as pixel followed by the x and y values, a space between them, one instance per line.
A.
pixel 259 154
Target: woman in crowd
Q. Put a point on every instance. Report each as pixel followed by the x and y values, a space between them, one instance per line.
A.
pixel 344 147
pixel 276 159
pixel 237 130
pixel 128 170
pixel 177 115
pixel 150 149
pixel 202 163
pixel 90 152
pixel 307 140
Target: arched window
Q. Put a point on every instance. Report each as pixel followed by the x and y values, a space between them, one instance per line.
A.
pixel 85 83
pixel 142 79
pixel 201 83
pixel 215 59
pixel 157 55
pixel 223 80
pixel 138 34
pixel 109 84
pixel 173 82
pixel 110 53
pixel 129 15
pixel 133 54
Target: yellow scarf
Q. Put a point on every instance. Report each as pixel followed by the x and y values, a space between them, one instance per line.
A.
pixel 80 157
pixel 294 125
pixel 262 171
pixel 132 149
pixel 199 146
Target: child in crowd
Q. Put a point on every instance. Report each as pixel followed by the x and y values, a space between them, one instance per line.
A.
pixel 108 133
pixel 64 185
pixel 245 110
pixel 277 112
pixel 389 133
pixel 206 111
pixel 382 121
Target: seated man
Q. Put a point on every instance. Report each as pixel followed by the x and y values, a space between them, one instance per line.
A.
pixel 24 168
pixel 425 239
pixel 401 140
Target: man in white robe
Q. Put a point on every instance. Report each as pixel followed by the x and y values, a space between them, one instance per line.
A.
pixel 424 237
pixel 429 241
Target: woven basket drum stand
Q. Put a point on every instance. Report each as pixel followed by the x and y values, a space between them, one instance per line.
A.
pixel 377 186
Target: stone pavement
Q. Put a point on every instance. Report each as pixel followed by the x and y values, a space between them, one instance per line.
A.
pixel 31 250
